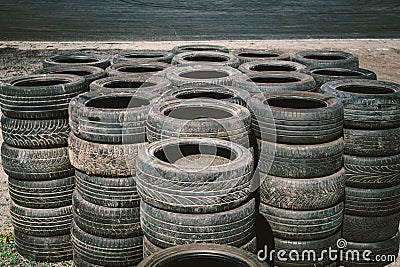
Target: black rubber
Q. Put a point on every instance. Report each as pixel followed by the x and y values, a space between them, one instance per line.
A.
pixel 144 56
pixel 152 86
pixel 206 57
pixel 249 55
pixel 111 116
pixel 137 69
pixel 372 172
pixel 334 59
pixel 372 202
pixel 370 229
pixel 43 249
pixel 296 117
pixel 260 66
pixel 303 225
pixel 113 160
pixel 105 221
pixel 386 248
pixel 42 194
pixel 36 164
pixel 368 104
pixel 218 181
pixel 372 143
pixel 41 222
pixel 77 60
pixel 302 194
pixel 201 74
pixel 106 251
pixel 39 96
pixel 112 192
pixel 193 118
pixel 203 255
pixel 199 47
pixel 268 82
pixel 35 133
pixel 300 161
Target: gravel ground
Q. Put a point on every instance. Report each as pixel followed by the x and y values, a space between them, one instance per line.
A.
pixel 19 58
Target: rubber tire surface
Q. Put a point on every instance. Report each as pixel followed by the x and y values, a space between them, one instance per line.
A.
pixel 259 66
pixel 97 61
pixel 224 59
pixel 141 66
pixel 144 56
pixel 347 60
pixel 249 55
pixel 199 47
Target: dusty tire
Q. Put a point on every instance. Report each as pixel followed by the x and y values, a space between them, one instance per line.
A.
pixel 220 185
pixel 39 96
pixel 201 74
pixel 260 66
pixel 77 60
pixel 296 117
pixel 106 251
pixel 142 70
pixel 334 59
pixel 372 172
pixel 303 225
pixel 372 143
pixel 44 249
pixel 35 133
pixel 104 221
pixel 268 82
pixel 112 192
pixel 102 159
pixel 199 47
pixel 249 55
pixel 368 104
pixel 206 57
pixel 110 116
pixel 300 161
pixel 144 56
pixel 42 194
pixel 302 194
pixel 36 165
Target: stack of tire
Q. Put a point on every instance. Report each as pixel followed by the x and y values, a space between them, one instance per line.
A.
pixel 372 163
pixel 301 174
pixel 35 157
pixel 108 127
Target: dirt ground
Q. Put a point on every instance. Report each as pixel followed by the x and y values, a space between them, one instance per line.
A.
pixel 19 58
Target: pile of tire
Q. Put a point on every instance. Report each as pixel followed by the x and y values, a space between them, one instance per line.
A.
pixel 372 163
pixel 108 128
pixel 301 171
pixel 35 157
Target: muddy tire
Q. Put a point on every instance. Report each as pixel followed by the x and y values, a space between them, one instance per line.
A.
pixel 143 70
pixel 199 47
pixel 249 55
pixel 206 57
pixel 260 66
pixel 77 60
pixel 144 56
pixel 318 59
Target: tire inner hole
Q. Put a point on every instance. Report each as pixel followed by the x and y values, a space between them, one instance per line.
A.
pixel 35 83
pixel 75 60
pixel 274 79
pixel 258 55
pixel 117 102
pixel 204 74
pixel 205 58
pixel 325 57
pixel 295 103
pixel 140 69
pixel 343 73
pixel 194 113
pixel 73 72
pixel 127 84
pixel 360 89
pixel 272 68
pixel 143 55
pixel 213 95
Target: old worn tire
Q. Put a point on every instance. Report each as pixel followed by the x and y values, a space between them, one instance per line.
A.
pixel 372 172
pixel 110 116
pixel 43 249
pixel 303 225
pixel 372 202
pixel 296 117
pixel 302 194
pixel 77 60
pixel 300 161
pixel 36 164
pixel 372 143
pixel 143 56
pixel 334 59
pixel 106 251
pixel 260 66
pixel 201 74
pixel 249 55
pixel 199 47
pixel 370 229
pixel 42 194
pixel 206 57
pixel 221 185
pixel 39 96
pixel 267 82
pixel 35 133
pixel 137 69
pixel 104 221
pixel 102 159
pixel 41 222
pixel 368 104
pixel 112 192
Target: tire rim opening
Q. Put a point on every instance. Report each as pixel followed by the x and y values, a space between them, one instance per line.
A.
pixel 205 58
pixel 127 84
pixel 274 79
pixel 117 102
pixel 196 113
pixel 272 68
pixel 202 259
pixel 75 60
pixel 339 73
pixel 200 48
pixel 365 89
pixel 204 75
pixel 213 95
pixel 295 103
pixel 143 55
pixel 73 72
pixel 325 57
pixel 258 55
pixel 39 82
pixel 140 69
